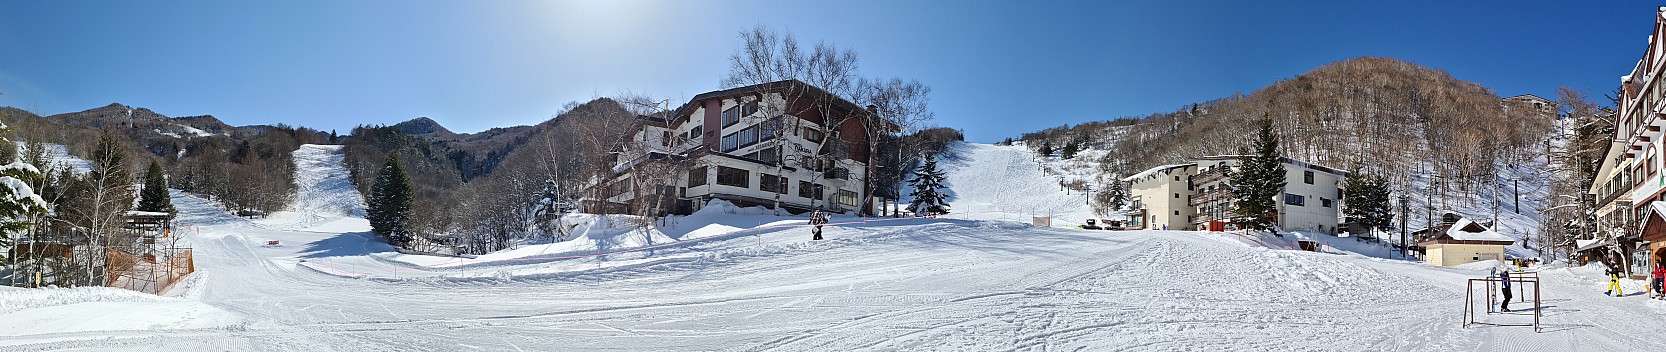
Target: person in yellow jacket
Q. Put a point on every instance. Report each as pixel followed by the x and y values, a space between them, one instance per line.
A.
pixel 1614 282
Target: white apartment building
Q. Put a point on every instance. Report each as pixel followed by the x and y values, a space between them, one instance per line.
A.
pixel 1197 196
pixel 757 145
pixel 1158 198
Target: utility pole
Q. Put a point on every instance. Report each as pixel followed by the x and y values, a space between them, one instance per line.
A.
pixel 1087 194
pixel 1433 181
pixel 1517 181
pixel 1494 225
pixel 1404 208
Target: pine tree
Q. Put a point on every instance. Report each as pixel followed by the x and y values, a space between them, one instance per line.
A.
pixel 154 197
pixel 1070 150
pixel 1366 200
pixel 19 204
pixel 389 204
pixel 928 186
pixel 1259 181
pixel 1046 148
pixel 1118 197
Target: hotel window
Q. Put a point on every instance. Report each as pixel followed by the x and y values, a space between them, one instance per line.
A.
pixel 1307 176
pixel 697 176
pixel 1325 202
pixel 694 133
pixel 847 198
pixel 812 134
pixel 768 129
pixel 729 143
pixel 734 114
pixel 740 139
pixel 1295 200
pixel 733 177
pixel 838 173
pixel 809 190
pixel 772 183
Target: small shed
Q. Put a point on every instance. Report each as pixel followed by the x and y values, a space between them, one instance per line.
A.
pixel 1465 241
pixel 149 220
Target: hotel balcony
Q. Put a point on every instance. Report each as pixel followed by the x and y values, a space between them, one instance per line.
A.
pixel 1207 176
pixel 1219 194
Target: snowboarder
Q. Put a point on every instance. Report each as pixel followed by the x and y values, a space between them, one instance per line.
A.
pixel 817 218
pixel 1614 281
pixel 1504 275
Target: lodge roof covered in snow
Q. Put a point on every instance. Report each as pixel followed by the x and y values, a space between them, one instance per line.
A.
pixel 1153 172
pixel 1283 159
pixel 1466 231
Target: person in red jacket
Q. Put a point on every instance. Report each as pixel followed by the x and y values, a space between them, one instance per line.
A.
pixel 1659 280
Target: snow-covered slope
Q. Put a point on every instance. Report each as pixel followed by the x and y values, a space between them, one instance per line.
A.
pixel 983 178
pixel 325 194
pixel 875 284
pixel 59 154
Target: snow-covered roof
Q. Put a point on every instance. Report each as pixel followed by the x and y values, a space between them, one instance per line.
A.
pixel 1283 159
pixel 1587 244
pixel 1658 207
pixel 147 213
pixel 1468 230
pixel 1152 171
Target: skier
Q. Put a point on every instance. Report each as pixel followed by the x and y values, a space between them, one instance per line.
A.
pixel 817 218
pixel 1614 281
pixel 1505 276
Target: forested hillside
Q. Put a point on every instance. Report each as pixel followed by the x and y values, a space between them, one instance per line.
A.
pixel 246 169
pixel 477 187
pixel 1381 115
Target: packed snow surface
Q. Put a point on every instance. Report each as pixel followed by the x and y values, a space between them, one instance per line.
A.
pixel 981 281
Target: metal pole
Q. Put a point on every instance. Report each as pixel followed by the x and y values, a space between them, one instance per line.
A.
pixel 1518 194
pixel 1404 210
pixel 1495 205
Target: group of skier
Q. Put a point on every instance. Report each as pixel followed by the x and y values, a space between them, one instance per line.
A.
pixel 1657 281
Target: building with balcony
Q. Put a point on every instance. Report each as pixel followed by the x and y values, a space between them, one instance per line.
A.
pixel 1198 196
pixel 1629 182
pixel 1311 200
pixel 761 145
pixel 1158 198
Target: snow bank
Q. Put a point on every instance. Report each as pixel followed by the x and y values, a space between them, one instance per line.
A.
pixel 58 310
pixel 16 299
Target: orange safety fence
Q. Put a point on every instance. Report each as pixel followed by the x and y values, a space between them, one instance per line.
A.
pixel 152 272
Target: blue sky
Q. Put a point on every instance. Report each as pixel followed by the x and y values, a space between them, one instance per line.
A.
pixel 997 68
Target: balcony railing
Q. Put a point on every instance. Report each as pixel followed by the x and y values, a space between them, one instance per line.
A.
pixel 1218 194
pixel 1204 178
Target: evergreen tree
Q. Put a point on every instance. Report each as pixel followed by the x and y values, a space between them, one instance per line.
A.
pixel 1259 181
pixel 1366 199
pixel 19 204
pixel 1046 148
pixel 1070 150
pixel 389 204
pixel 928 185
pixel 1118 197
pixel 154 197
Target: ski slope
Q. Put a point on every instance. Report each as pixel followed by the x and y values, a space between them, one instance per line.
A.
pixel 983 178
pixel 953 283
